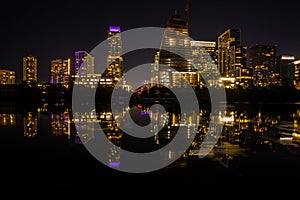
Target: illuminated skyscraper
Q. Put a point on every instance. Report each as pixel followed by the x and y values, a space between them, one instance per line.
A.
pixel 209 46
pixel 84 70
pixel 262 60
pixel 84 63
pixel 285 66
pixel 176 39
pixel 231 54
pixel 60 71
pixel 29 69
pixel 7 119
pixel 7 77
pixel 204 58
pixel 114 69
pixel 297 74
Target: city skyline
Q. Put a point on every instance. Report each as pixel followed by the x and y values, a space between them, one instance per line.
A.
pixel 218 95
pixel 57 34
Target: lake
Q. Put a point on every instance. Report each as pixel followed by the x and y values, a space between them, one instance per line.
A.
pixel 43 144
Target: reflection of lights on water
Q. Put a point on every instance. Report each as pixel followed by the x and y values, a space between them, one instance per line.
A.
pixel 145 113
pixel 30 125
pixel 114 164
pixel 7 119
pixel 227 119
pixel 286 138
pixel 170 155
pixel 60 124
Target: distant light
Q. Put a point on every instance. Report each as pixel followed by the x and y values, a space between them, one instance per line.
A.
pixel 227 79
pixel 227 119
pixel 114 164
pixel 115 29
pixel 286 138
pixel 203 43
pixel 297 62
pixel 287 57
pixel 145 113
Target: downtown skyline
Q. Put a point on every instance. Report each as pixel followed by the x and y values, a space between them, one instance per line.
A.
pixel 65 102
pixel 58 33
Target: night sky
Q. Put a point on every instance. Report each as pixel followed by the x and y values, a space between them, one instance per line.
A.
pixel 56 29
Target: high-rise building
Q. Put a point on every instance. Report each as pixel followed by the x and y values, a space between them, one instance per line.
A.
pixel 84 63
pixel 285 66
pixel 297 74
pixel 204 48
pixel 60 71
pixel 205 59
pixel 29 69
pixel 84 70
pixel 7 77
pixel 231 54
pixel 7 119
pixel 262 60
pixel 114 70
pixel 176 39
pixel 209 46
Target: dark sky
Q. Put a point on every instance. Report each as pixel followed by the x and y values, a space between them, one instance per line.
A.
pixel 56 29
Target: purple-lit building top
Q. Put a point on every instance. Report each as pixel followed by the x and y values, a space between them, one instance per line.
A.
pixel 115 29
pixel 84 63
pixel 79 55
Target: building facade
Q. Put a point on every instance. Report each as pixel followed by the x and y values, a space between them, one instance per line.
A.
pixel 232 58
pixel 60 71
pixel 204 57
pixel 285 66
pixel 84 63
pixel 114 70
pixel 7 77
pixel 176 39
pixel 297 74
pixel 262 61
pixel 85 70
pixel 231 54
pixel 30 69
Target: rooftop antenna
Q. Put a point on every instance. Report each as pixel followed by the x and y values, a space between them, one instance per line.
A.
pixel 187 11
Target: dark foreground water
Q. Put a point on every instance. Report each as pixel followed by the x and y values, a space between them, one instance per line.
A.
pixel 41 148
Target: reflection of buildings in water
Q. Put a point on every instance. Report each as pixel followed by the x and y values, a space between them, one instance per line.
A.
pixel 60 124
pixel 296 131
pixel 172 122
pixel 114 157
pixel 85 126
pixel 43 108
pixel 242 134
pixel 7 119
pixel 112 131
pixel 181 162
pixel 30 125
pixel 246 133
pixel 188 124
pixel 296 127
pixel 110 127
pixel 228 145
